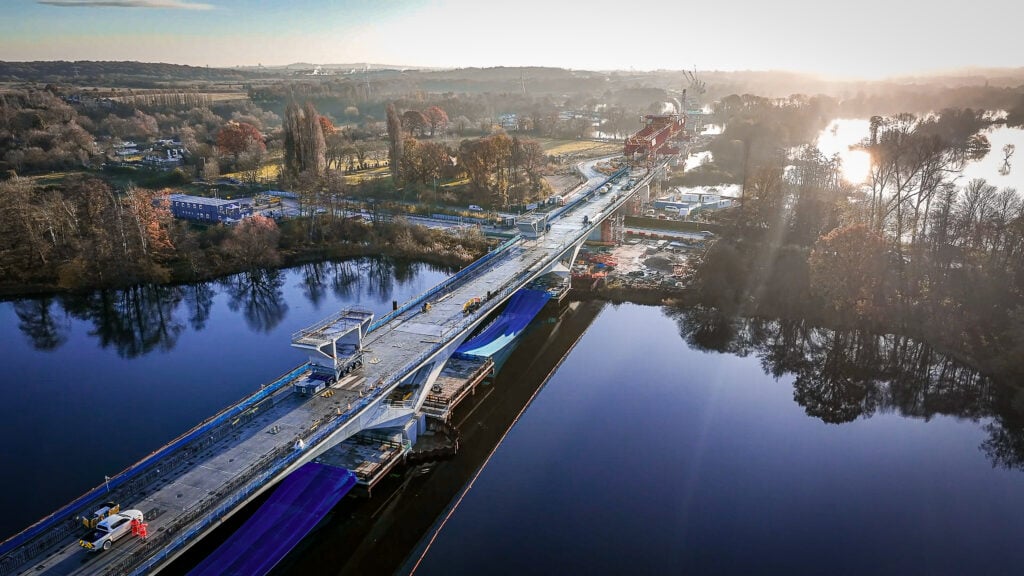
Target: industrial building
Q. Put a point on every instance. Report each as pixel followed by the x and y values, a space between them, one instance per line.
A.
pixel 201 209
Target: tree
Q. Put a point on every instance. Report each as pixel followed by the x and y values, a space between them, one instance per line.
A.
pixel 253 242
pixel 395 143
pixel 304 145
pixel 436 118
pixel 847 270
pixel 414 121
pixel 237 138
pixel 327 126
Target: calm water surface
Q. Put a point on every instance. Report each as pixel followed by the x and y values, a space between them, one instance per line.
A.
pixel 646 455
pixel 91 385
pixel 669 441
pixel 842 133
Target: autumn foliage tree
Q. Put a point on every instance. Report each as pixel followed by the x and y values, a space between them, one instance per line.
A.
pixel 848 269
pixel 414 121
pixel 238 138
pixel 496 165
pixel 436 118
pixel 253 243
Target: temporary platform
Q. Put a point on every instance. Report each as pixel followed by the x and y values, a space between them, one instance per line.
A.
pixel 297 504
pixel 337 346
pixel 370 454
pixel 554 284
pixel 458 379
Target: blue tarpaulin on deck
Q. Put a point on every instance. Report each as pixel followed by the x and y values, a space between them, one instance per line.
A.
pixel 520 310
pixel 296 505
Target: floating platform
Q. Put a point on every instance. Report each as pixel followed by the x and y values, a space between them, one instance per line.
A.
pixel 557 286
pixel 458 379
pixel 370 455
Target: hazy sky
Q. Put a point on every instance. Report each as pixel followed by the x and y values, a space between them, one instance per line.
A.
pixel 870 38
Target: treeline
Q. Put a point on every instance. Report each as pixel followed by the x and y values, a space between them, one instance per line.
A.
pixel 87 236
pixel 499 168
pixel 913 253
pixel 135 74
pixel 44 130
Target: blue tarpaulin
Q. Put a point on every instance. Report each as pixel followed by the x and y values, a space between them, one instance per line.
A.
pixel 520 310
pixel 296 505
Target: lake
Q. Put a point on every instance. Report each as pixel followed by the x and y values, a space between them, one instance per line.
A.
pixel 659 440
pixel 647 453
pixel 842 133
pixel 92 384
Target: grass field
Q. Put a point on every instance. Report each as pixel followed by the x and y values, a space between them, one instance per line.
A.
pixel 579 148
pixel 268 173
pixel 365 175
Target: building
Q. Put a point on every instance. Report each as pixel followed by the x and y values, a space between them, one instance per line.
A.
pixel 171 158
pixel 200 209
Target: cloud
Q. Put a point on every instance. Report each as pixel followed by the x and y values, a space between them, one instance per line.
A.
pixel 174 4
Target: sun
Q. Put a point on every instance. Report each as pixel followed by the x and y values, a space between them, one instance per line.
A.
pixel 856 166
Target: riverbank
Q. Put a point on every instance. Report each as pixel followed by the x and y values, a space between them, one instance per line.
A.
pixel 209 263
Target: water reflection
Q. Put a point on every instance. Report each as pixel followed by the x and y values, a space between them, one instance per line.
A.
pixel 259 295
pixel 199 301
pixel 143 319
pixel 37 321
pixel 994 167
pixel 841 376
pixel 134 321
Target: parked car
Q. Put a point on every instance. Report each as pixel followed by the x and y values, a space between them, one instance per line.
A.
pixel 109 530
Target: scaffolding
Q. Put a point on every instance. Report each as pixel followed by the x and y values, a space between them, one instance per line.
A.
pixel 618 229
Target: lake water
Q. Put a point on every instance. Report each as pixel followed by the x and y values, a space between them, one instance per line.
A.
pixel 842 133
pixel 667 441
pixel 91 385
pixel 644 454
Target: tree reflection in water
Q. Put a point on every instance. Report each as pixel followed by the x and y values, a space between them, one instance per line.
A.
pixel 343 278
pixel 44 329
pixel 314 282
pixel 841 376
pixel 134 321
pixel 259 296
pixel 199 300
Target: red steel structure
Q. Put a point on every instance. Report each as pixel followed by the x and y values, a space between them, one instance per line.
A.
pixel 650 140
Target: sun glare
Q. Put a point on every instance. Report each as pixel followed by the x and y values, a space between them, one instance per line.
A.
pixel 856 166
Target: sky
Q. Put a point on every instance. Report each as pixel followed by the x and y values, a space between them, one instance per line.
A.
pixel 864 39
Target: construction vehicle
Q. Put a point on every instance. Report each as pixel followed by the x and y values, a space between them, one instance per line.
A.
pixel 471 305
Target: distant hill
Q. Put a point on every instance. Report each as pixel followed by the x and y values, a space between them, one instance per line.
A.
pixel 130 74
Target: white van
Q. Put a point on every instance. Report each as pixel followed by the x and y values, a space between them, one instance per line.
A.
pixel 475 208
